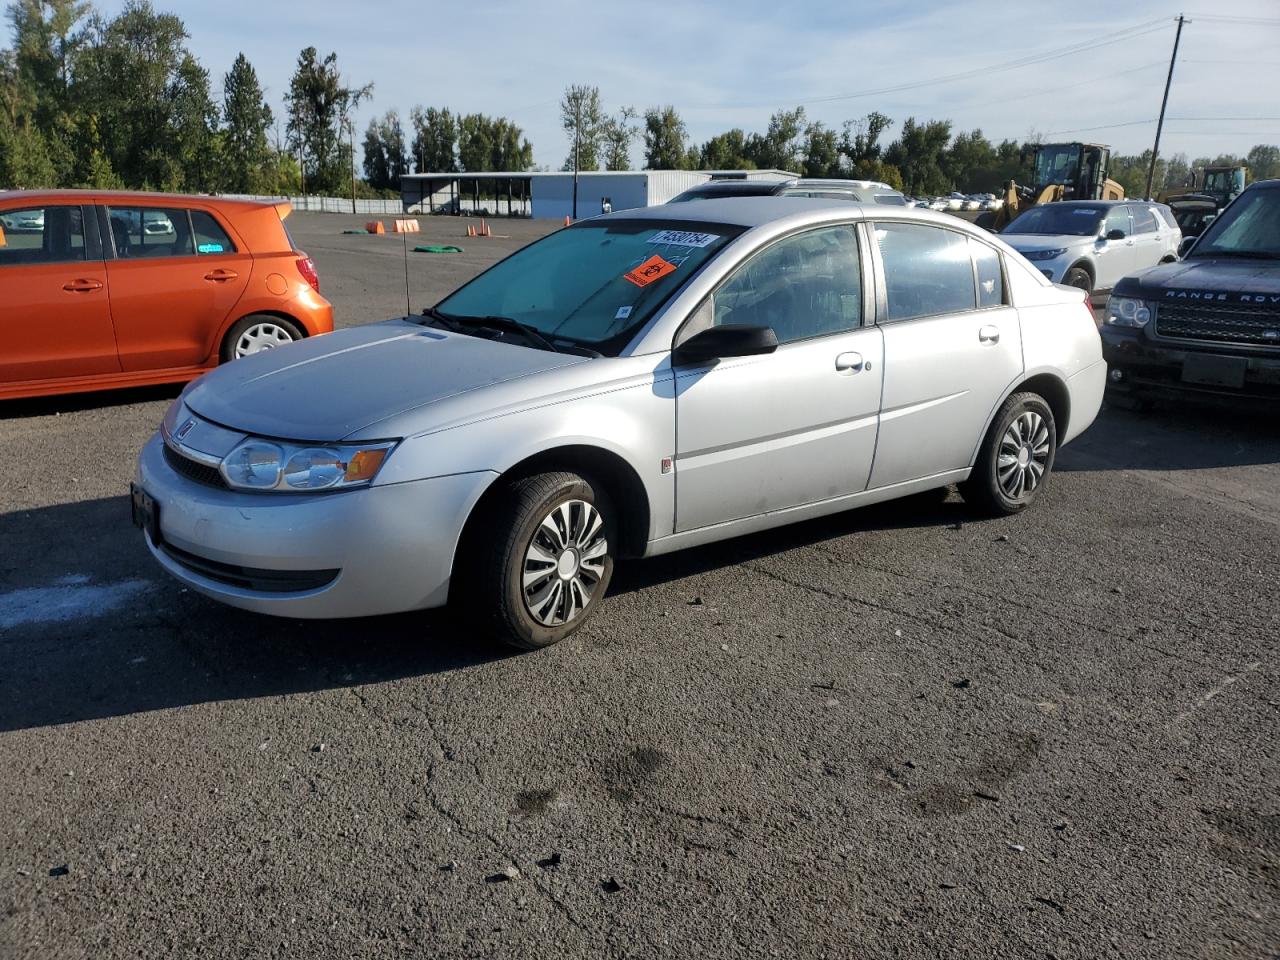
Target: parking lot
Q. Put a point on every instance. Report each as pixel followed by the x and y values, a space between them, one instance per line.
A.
pixel 897 732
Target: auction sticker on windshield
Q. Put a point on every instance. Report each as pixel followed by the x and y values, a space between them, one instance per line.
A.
pixel 655 268
pixel 684 238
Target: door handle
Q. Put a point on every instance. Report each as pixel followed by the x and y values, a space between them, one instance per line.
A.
pixel 82 286
pixel 849 362
pixel 989 334
pixel 220 276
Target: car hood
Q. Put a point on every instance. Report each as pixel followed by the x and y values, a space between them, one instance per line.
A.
pixel 1023 242
pixel 1203 278
pixel 329 388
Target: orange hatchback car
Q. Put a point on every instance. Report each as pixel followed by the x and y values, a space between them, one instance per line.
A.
pixel 115 289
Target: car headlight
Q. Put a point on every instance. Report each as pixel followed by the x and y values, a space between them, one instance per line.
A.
pixel 266 465
pixel 1045 254
pixel 1128 312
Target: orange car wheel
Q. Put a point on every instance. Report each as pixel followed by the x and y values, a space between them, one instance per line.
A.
pixel 257 332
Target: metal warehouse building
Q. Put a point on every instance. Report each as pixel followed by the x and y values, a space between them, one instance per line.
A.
pixel 550 195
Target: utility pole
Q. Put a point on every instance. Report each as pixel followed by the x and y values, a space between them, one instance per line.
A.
pixel 351 139
pixel 577 140
pixel 1155 151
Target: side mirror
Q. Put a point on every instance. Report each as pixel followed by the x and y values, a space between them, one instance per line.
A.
pixel 1185 246
pixel 729 340
pixel 1116 234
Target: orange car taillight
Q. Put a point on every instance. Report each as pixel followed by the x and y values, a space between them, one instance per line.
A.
pixel 307 267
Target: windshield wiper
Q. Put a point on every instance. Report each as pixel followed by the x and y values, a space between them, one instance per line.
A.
pixel 461 322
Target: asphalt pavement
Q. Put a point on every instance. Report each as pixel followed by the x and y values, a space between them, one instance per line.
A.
pixel 898 732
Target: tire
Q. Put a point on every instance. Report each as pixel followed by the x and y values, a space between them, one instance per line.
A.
pixel 268 331
pixel 1079 277
pixel 526 523
pixel 998 486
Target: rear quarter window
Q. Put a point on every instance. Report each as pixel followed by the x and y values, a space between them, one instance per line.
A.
pixel 211 239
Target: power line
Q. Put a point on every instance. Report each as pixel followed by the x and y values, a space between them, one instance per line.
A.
pixel 1222 18
pixel 1138 123
pixel 1033 60
pixel 1060 89
pixel 1113 37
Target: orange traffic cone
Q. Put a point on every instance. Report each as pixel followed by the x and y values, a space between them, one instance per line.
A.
pixel 471 231
pixel 566 220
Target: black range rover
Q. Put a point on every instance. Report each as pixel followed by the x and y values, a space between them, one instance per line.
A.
pixel 1209 323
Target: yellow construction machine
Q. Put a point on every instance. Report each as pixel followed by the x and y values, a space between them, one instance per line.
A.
pixel 1062 171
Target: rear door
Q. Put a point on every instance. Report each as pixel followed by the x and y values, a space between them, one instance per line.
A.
pixel 1115 258
pixel 1148 244
pixel 55 319
pixel 175 276
pixel 759 434
pixel 952 346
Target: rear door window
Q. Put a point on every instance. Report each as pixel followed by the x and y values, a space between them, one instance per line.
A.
pixel 47 234
pixel 927 270
pixel 211 239
pixel 144 233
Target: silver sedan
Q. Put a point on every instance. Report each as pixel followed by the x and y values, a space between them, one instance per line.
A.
pixel 631 385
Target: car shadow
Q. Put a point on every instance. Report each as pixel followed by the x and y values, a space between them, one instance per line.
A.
pixel 90 627
pixel 935 508
pixel 1195 434
pixel 70 402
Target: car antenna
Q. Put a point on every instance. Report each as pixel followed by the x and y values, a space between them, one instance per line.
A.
pixel 404 239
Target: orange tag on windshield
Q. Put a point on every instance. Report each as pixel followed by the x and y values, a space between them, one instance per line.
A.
pixel 655 268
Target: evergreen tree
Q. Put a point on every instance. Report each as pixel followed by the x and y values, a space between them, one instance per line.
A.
pixel 247 152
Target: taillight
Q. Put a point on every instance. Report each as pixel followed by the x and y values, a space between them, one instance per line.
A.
pixel 1088 305
pixel 307 267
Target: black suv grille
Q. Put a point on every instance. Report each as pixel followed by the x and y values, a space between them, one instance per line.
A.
pixel 199 472
pixel 1223 322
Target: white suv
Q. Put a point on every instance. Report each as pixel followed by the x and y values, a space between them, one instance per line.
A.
pixel 1091 244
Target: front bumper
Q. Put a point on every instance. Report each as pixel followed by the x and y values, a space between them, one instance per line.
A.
pixel 376 550
pixel 1143 364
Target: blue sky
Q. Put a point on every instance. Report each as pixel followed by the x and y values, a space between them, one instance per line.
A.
pixel 732 64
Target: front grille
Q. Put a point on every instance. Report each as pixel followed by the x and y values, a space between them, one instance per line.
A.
pixel 1223 322
pixel 251 578
pixel 192 470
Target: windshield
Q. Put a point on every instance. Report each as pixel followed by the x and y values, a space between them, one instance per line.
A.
pixel 1057 165
pixel 1058 219
pixel 593 284
pixel 1250 227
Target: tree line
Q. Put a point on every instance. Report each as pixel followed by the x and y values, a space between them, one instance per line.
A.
pixel 108 102
pixel 88 100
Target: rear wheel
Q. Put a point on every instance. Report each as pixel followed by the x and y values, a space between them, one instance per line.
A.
pixel 1016 457
pixel 258 332
pixel 1079 277
pixel 537 566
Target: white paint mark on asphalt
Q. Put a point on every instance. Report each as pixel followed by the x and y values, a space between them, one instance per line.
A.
pixel 70 598
pixel 1227 682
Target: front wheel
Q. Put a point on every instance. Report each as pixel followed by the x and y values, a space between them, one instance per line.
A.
pixel 1016 457
pixel 1079 278
pixel 540 561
